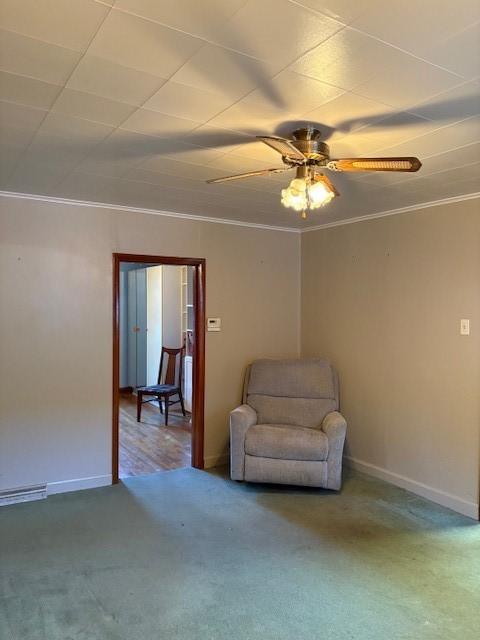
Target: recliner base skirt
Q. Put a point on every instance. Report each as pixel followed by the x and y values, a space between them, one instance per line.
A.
pixel 309 473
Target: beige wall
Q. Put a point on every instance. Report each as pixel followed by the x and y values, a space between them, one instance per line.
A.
pixel 56 326
pixel 383 299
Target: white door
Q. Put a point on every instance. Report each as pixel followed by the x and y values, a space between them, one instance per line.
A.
pixel 137 328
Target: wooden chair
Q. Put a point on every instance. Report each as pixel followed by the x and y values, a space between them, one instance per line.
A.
pixel 171 386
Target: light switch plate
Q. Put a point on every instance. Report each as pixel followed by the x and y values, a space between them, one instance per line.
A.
pixel 214 324
pixel 464 327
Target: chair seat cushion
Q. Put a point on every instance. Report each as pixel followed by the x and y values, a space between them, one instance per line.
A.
pixel 286 442
pixel 158 388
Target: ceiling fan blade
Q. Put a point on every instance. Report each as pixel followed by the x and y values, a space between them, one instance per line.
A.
pixel 283 146
pixel 250 174
pixel 375 164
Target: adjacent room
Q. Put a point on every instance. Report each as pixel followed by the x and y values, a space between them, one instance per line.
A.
pixel 155 324
pixel 239 320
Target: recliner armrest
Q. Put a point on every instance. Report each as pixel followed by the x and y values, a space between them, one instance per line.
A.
pixel 243 415
pixel 241 419
pixel 334 425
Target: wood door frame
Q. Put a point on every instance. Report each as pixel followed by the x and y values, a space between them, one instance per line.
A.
pixel 198 395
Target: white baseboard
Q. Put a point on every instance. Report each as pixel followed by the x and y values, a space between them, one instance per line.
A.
pixel 218 460
pixel 470 509
pixel 78 483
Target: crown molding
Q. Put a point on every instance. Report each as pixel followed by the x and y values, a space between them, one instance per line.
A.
pixel 393 212
pixel 155 212
pixel 239 223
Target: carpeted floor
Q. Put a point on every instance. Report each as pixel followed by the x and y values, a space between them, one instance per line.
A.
pixel 190 555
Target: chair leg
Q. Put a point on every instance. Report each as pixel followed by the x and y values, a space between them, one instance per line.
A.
pixel 180 395
pixel 166 410
pixel 160 404
pixel 139 406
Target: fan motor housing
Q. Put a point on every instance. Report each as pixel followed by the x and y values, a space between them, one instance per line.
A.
pixel 307 141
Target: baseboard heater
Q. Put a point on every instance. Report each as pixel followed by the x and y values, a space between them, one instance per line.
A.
pixel 23 494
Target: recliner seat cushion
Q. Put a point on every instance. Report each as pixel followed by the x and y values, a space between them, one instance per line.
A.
pixel 301 412
pixel 286 442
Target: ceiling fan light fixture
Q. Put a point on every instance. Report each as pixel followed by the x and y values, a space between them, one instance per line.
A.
pixel 303 194
pixel 311 188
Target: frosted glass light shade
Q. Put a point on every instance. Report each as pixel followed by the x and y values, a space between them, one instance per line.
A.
pixel 301 195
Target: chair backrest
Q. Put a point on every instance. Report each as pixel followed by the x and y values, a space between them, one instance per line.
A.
pixel 171 363
pixel 297 391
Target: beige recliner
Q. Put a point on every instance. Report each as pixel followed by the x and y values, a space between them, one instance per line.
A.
pixel 288 429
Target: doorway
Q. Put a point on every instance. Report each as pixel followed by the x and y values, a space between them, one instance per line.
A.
pixel 158 308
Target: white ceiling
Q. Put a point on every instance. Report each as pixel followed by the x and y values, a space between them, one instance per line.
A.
pixel 138 102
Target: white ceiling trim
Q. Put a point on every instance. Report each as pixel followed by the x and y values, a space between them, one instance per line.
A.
pixel 393 212
pixel 239 223
pixel 155 212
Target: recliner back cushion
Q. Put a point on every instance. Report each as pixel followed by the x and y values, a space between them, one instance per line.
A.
pixel 301 412
pixel 292 378
pixel 298 392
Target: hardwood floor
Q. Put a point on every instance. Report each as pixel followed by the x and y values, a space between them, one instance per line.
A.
pixel 149 446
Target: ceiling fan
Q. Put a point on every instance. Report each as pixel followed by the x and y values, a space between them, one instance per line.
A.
pixel 307 154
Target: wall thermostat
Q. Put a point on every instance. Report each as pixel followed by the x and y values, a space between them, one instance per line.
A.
pixel 214 324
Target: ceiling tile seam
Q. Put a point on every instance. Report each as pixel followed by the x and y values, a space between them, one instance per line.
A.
pixel 391 212
pixel 426 101
pixel 188 190
pixel 89 93
pixel 165 80
pixel 105 4
pixel 421 135
pixel 170 214
pixel 119 127
pixel 409 53
pixel 123 66
pixel 27 77
pixel 440 153
pixel 159 172
pixel 419 177
pixel 451 149
pixel 205 41
pixel 290 63
pixel 304 75
pixel 466 28
pixel 25 151
pixel 52 44
pixel 246 191
pixel 317 12
pixel 206 123
pixel 415 137
pixel 355 92
pixel 410 109
pixel 350 92
pixel 75 117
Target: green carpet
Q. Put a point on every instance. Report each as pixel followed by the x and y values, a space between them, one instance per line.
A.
pixel 191 555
